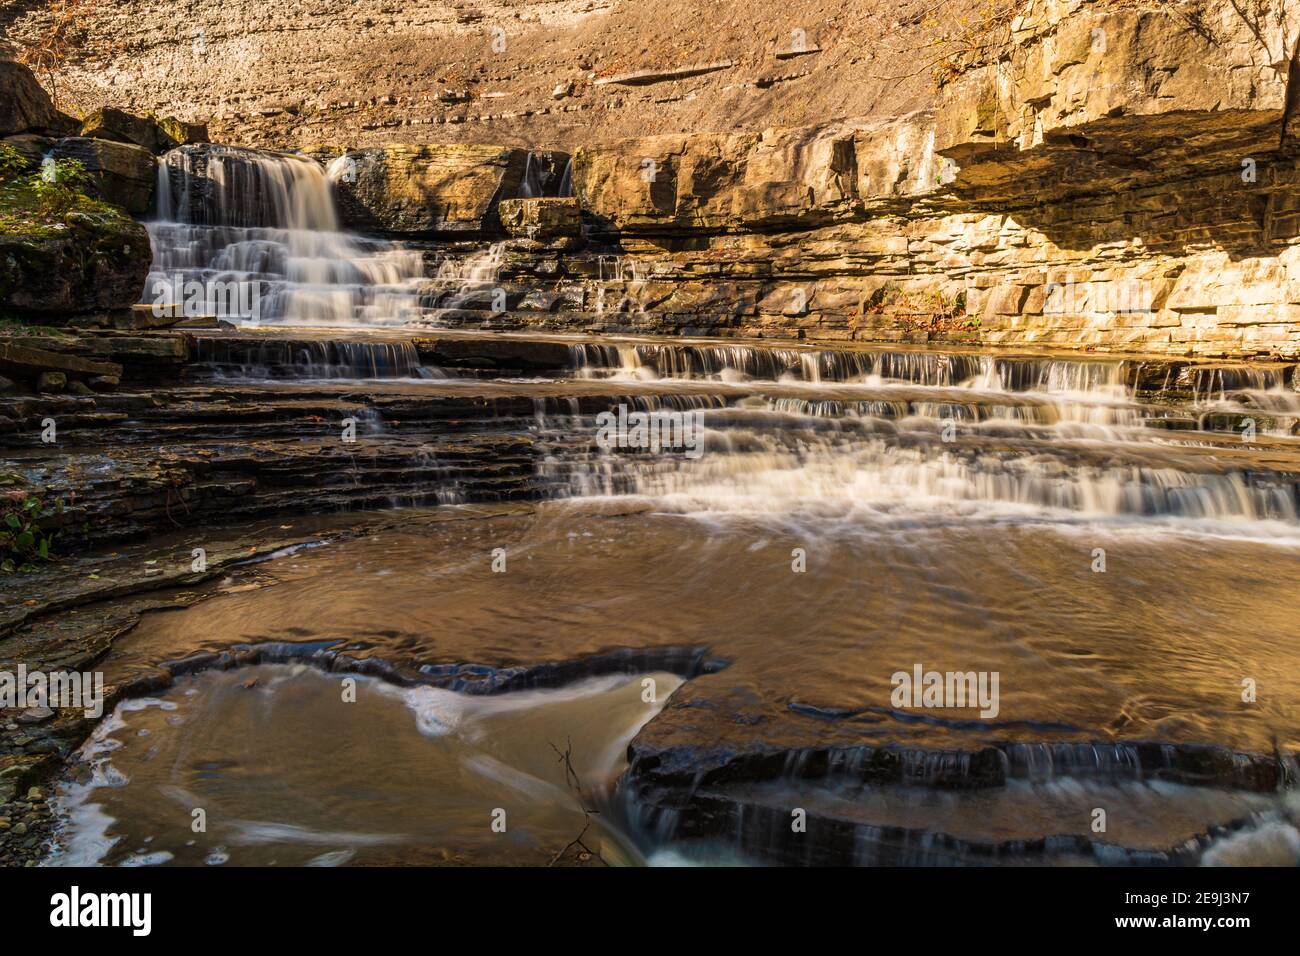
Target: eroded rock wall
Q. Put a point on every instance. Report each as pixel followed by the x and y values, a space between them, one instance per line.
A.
pixel 1108 174
pixel 536 73
pixel 1119 180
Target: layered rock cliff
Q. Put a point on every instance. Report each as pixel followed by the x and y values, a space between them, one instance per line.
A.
pixel 534 73
pixel 1071 173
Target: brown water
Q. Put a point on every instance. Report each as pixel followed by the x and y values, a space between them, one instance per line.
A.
pixel 1120 550
pixel 285 769
pixel 1132 654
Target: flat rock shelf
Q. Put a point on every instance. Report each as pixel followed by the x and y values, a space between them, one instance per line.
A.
pixel 433 512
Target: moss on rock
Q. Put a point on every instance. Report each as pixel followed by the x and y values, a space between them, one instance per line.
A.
pixel 63 252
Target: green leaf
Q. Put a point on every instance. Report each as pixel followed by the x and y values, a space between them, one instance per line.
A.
pixel 7 566
pixel 12 521
pixel 25 541
pixel 44 549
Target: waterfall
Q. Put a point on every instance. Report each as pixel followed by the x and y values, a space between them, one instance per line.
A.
pixel 545 177
pixel 255 236
pixel 531 186
pixel 893 433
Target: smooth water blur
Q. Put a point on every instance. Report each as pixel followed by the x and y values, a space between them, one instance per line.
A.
pixel 288 772
pixel 244 227
pixel 1121 548
pixel 1134 654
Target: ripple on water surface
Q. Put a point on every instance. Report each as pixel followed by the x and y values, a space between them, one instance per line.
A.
pixel 287 771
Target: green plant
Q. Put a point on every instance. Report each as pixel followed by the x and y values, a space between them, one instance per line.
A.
pixel 59 185
pixel 22 540
pixel 12 163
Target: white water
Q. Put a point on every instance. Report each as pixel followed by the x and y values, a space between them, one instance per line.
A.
pixel 1014 438
pixel 229 215
pixel 232 743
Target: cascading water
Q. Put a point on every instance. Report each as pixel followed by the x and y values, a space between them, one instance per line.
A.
pixel 888 436
pixel 945 508
pixel 544 177
pixel 236 226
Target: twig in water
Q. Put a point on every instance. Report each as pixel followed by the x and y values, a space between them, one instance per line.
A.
pixel 571 778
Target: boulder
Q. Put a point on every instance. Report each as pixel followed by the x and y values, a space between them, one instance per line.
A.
pixel 25 107
pixel 409 190
pixel 31 146
pixel 121 173
pixel 540 218
pixel 122 127
pixel 181 133
pixel 155 135
pixel 94 262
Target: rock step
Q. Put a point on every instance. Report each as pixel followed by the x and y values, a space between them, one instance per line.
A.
pixel 763 832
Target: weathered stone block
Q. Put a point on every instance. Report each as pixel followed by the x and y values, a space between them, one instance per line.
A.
pixel 25 107
pixel 427 190
pixel 121 173
pixel 540 218
pixel 99 263
pixel 121 127
pixel 718 182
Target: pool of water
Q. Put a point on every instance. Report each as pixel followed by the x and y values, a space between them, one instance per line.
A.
pixel 287 765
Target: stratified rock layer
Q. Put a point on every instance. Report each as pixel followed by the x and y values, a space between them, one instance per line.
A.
pixel 427 190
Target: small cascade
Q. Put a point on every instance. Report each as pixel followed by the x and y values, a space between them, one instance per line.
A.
pixel 470 282
pixel 897 433
pixel 531 186
pixel 546 175
pixel 259 358
pixel 254 236
pixel 623 269
pixel 1229 396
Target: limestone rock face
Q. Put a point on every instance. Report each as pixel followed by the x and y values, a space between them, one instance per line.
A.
pixel 25 107
pixel 718 182
pixel 541 217
pixel 427 190
pixel 155 135
pixel 276 73
pixel 121 173
pixel 99 264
